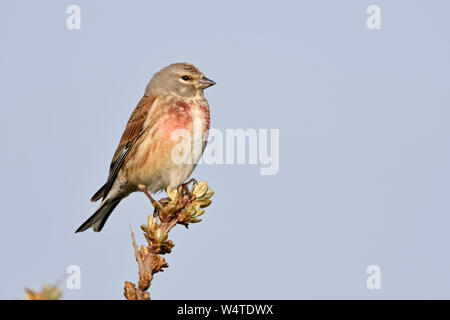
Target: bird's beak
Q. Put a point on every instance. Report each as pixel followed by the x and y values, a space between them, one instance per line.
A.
pixel 206 83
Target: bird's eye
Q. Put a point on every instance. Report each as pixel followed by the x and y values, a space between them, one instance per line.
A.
pixel 185 78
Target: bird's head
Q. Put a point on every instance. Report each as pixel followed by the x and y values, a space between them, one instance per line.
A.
pixel 179 79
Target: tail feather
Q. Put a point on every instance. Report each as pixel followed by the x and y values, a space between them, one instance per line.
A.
pixel 98 219
pixel 100 193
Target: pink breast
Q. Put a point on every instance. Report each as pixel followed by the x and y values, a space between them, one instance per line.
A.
pixel 180 115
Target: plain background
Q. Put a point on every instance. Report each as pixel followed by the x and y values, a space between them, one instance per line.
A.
pixel 364 146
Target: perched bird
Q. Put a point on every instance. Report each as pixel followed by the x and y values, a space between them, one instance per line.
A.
pixel 144 160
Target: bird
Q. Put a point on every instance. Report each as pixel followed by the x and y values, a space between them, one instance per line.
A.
pixel 173 103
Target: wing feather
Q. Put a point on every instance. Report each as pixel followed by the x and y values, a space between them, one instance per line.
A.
pixel 133 130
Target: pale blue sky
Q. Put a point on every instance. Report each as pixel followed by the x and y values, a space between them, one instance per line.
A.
pixel 364 146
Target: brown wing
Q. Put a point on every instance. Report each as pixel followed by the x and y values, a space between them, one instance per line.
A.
pixel 133 130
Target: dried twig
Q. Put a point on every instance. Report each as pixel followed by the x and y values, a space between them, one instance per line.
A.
pixel 184 206
pixel 48 292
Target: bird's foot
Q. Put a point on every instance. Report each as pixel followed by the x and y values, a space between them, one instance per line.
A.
pixel 156 204
pixel 186 188
pixel 164 202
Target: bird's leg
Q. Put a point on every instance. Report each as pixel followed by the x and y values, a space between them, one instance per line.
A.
pixel 186 188
pixel 191 180
pixel 156 204
pixel 144 190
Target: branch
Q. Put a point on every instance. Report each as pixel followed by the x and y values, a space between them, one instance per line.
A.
pixel 183 206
